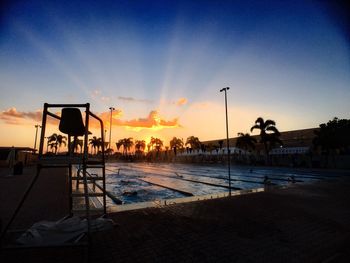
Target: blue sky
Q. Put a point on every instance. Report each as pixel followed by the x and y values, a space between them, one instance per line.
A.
pixel 284 60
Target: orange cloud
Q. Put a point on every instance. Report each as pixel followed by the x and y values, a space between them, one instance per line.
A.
pixel 12 116
pixel 181 101
pixel 15 117
pixel 152 121
pixel 106 116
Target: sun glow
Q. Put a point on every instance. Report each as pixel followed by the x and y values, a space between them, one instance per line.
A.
pixel 163 74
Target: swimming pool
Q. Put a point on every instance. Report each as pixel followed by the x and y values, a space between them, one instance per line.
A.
pixel 144 182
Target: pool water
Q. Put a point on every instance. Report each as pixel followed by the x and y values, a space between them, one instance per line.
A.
pixel 143 182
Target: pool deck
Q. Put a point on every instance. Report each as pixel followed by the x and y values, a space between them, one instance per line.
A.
pixel 301 223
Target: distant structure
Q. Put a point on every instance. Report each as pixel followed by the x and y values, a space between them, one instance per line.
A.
pixel 22 154
pixel 294 142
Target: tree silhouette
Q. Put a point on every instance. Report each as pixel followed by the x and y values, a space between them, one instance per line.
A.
pixel 127 143
pixel 140 146
pixel 77 143
pixel 333 137
pixel 269 134
pixel 245 141
pixel 193 142
pixel 96 143
pixel 176 144
pixel 158 144
pixel 56 141
pixel 155 143
pixel 151 143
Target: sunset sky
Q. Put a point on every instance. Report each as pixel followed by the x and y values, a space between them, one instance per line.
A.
pixel 161 64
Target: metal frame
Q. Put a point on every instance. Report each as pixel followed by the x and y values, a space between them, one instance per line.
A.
pixel 68 161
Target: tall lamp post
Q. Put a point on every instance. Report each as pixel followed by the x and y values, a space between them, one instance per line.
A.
pixel 227 141
pixel 47 144
pixel 36 134
pixel 110 126
pixel 104 140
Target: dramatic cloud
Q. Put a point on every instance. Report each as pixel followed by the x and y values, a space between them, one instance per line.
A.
pixel 106 116
pixel 153 121
pixel 12 116
pixel 130 99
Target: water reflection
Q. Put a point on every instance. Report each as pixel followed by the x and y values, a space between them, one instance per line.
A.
pixel 141 182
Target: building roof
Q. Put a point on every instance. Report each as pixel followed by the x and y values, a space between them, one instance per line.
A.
pixel 295 138
pixel 28 149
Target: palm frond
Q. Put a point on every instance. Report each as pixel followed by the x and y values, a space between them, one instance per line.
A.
pixel 273 129
pixel 259 120
pixel 254 127
pixel 270 123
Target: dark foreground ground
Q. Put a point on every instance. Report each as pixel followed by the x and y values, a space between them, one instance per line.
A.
pixel 302 223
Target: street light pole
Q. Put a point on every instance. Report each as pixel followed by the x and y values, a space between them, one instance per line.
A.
pixel 227 142
pixel 47 144
pixel 110 126
pixel 36 134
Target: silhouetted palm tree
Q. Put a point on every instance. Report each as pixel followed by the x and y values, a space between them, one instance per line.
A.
pixel 77 143
pixel 56 141
pixel 127 143
pixel 119 144
pixel 140 146
pixel 245 141
pixel 176 144
pixel 96 143
pixel 151 143
pixel 158 144
pixel 268 133
pixel 193 142
pixel 53 145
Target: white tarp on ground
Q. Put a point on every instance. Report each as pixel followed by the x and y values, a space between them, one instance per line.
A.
pixel 62 231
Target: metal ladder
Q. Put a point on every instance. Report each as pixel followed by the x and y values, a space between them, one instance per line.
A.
pixel 83 161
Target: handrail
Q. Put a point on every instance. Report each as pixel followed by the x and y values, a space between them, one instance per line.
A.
pixel 66 105
pixel 102 133
pixel 110 195
pixel 53 115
